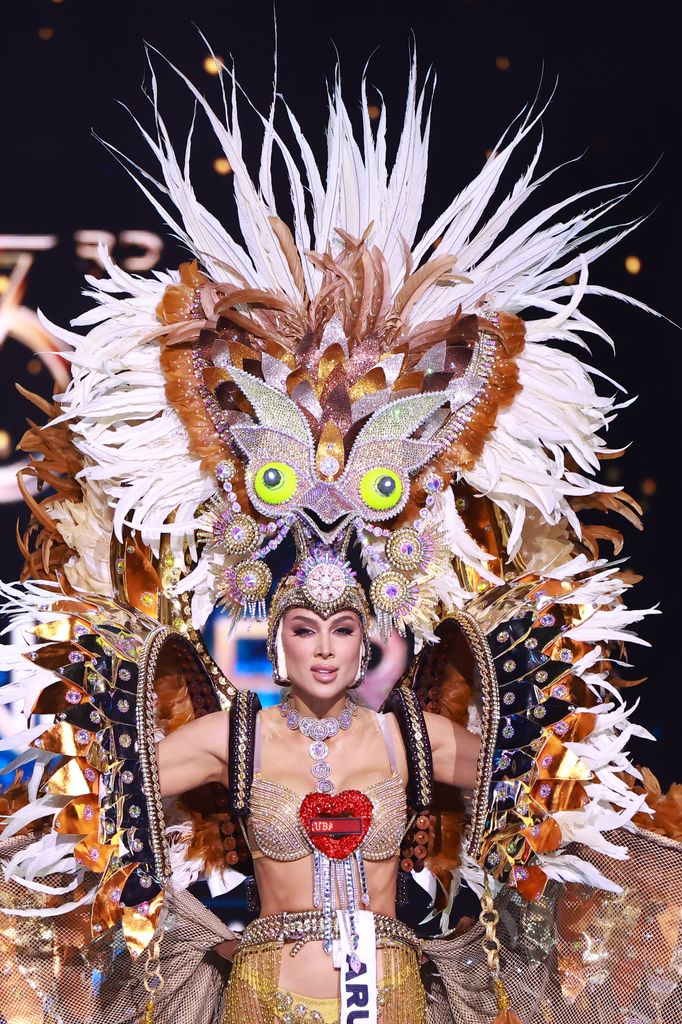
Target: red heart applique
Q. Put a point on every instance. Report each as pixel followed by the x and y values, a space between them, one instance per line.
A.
pixel 351 808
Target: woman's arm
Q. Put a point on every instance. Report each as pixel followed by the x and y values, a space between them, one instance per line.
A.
pixel 194 754
pixel 454 750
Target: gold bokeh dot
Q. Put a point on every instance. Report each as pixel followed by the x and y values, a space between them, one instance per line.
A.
pixel 34 365
pixel 46 32
pixel 571 279
pixel 4 283
pixel 221 165
pixel 648 486
pixel 373 111
pixel 5 444
pixel 633 264
pixel 502 63
pixel 213 65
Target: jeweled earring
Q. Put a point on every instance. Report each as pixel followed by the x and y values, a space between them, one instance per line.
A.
pixel 362 666
pixel 279 669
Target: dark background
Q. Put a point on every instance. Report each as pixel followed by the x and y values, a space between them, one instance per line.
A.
pixel 64 65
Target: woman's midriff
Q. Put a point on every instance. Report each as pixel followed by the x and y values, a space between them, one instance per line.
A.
pixel 289 887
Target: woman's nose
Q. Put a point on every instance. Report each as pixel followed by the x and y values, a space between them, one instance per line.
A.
pixel 324 647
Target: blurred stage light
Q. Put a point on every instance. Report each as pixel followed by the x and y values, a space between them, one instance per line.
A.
pixel 34 366
pixel 221 165
pixel 612 474
pixel 213 65
pixel 633 264
pixel 4 283
pixel 502 63
pixel 5 444
pixel 373 111
pixel 648 486
pixel 45 32
pixel 571 279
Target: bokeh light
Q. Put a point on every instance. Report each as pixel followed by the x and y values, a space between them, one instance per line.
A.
pixel 221 165
pixel 633 264
pixel 213 65
pixel 502 63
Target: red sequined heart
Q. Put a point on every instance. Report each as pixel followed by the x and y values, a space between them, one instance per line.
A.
pixel 320 807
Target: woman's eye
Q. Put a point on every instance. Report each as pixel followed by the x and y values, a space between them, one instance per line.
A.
pixel 302 631
pixel 381 489
pixel 275 483
pixel 345 630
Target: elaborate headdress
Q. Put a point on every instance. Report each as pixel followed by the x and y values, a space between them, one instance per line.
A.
pixel 347 381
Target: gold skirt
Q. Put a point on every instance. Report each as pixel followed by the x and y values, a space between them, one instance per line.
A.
pixel 253 992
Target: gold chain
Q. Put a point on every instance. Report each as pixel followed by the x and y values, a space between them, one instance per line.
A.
pixel 153 980
pixel 490 918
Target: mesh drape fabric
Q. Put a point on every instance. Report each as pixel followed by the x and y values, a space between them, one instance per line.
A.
pixel 577 956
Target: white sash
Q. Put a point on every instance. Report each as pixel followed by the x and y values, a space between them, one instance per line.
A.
pixel 358 969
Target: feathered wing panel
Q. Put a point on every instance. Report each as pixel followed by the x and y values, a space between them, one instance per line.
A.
pixel 115 682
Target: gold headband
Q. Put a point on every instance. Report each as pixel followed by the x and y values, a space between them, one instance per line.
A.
pixel 324 583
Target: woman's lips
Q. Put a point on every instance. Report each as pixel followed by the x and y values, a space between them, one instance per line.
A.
pixel 324 673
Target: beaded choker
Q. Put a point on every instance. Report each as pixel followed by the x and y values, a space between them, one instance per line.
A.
pixel 318 730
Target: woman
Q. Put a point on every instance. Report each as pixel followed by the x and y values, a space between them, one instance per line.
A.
pixel 321 657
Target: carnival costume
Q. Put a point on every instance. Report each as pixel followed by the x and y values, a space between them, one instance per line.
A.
pixel 343 384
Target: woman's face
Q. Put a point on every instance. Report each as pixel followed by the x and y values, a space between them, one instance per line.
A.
pixel 322 655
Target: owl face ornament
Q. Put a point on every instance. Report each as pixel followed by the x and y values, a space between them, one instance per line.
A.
pixel 285 472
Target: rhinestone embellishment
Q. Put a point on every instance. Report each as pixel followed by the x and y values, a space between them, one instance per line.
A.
pixel 318 730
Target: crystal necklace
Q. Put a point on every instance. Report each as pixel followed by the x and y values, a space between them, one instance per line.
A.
pixel 318 730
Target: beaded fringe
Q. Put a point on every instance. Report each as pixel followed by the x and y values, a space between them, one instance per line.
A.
pixel 253 994
pixel 401 998
pixel 252 986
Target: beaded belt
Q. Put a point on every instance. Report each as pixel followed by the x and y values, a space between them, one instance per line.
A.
pixel 308 926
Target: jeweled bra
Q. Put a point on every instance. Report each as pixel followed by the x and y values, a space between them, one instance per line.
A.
pixel 276 823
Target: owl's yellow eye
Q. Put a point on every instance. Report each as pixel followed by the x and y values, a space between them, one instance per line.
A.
pixel 275 483
pixel 381 489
